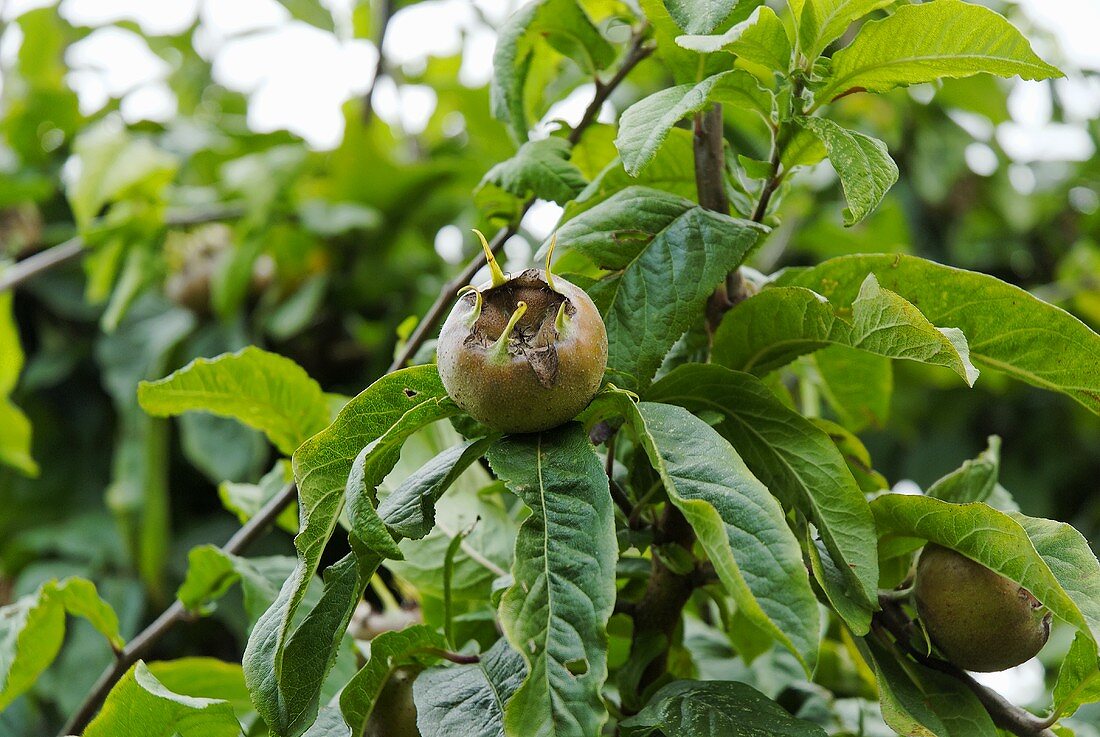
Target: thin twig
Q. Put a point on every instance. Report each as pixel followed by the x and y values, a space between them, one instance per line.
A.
pixel 639 50
pixel 1004 714
pixel 138 646
pixel 74 248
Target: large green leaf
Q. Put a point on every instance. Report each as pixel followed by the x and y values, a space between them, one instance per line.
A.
pixel 997 541
pixel 1006 328
pixel 15 428
pixel 711 708
pixel 796 460
pixel 929 41
pixel 739 524
pixel 922 702
pixel 540 169
pixel 776 326
pixel 761 38
pixel 263 390
pixel 556 610
pixel 33 628
pixel 285 665
pixel 863 164
pixel 561 24
pixel 141 706
pixel 645 125
pixel 666 255
pixel 468 700
pixel 823 21
pixel 388 652
pixel 703 16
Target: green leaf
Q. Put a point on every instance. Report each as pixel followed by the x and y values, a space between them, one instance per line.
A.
pixel 410 509
pixel 796 460
pixel 974 480
pixel 666 255
pixel 207 678
pixel 702 16
pixel 1006 328
pixel 262 390
pixel 113 165
pixel 739 524
pixel 994 539
pixel 863 164
pixel 33 628
pixel 561 24
pixel 774 327
pixel 824 21
pixel 919 701
pixel 15 428
pixel 929 41
pixel 388 652
pixel 468 700
pixel 141 706
pixel 851 608
pixel 284 664
pixel 857 385
pixel 672 170
pixel 761 38
pixel 705 708
pixel 211 572
pixel 1078 677
pixel 1070 559
pixel 556 610
pixel 246 500
pixel 540 169
pixel 645 125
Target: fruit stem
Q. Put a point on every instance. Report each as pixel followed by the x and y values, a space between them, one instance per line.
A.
pixel 550 255
pixel 494 268
pixel 477 306
pixel 498 351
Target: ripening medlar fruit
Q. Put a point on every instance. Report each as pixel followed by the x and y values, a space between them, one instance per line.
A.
pixel 522 353
pixel 394 713
pixel 981 620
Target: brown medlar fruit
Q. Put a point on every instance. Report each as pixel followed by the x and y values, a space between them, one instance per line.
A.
pixel 394 713
pixel 522 353
pixel 979 619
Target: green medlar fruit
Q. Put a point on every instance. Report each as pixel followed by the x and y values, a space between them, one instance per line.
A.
pixel 981 620
pixel 394 713
pixel 522 353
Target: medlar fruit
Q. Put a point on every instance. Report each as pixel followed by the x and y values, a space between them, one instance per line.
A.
pixel 979 619
pixel 522 353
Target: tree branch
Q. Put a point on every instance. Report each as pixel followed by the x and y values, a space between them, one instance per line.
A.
pixel 74 248
pixel 639 50
pixel 1004 714
pixel 137 647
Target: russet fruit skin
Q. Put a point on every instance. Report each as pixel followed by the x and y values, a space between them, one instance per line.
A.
pixel 980 620
pixel 546 370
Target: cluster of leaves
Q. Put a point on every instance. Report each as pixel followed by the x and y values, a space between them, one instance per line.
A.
pixel 718 570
